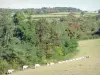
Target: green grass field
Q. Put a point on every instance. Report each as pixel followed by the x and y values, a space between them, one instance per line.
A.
pixel 48 15
pixel 54 15
pixel 57 15
pixel 90 66
pixel 90 14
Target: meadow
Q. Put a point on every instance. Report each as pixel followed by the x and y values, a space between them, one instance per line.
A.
pixel 89 66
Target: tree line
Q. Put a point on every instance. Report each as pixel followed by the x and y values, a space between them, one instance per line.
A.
pixel 45 10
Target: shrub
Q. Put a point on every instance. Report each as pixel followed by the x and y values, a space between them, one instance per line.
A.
pixel 14 64
pixel 63 19
pixel 70 46
pixel 3 67
pixel 57 52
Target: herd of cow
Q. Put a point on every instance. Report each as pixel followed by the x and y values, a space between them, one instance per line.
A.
pixel 51 63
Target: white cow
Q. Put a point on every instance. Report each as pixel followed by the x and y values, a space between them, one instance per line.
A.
pixel 73 59
pixel 80 58
pixel 63 61
pixel 10 71
pixel 37 65
pixel 25 67
pixel 83 57
pixel 52 63
pixel 48 64
pixel 60 62
pixel 70 60
pixel 77 58
pixel 67 60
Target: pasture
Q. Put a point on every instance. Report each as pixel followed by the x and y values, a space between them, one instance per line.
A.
pixel 57 15
pixel 87 66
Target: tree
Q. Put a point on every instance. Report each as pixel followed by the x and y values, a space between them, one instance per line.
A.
pixel 18 18
pixel 82 14
pixel 6 35
pixel 63 19
pixel 41 30
pixel 19 21
pixel 46 36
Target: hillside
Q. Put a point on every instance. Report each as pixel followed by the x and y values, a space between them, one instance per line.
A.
pixel 90 66
pixel 27 39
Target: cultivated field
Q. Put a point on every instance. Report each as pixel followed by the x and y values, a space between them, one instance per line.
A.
pixel 86 66
pixel 57 15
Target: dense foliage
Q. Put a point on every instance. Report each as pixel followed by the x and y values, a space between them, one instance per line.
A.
pixel 26 41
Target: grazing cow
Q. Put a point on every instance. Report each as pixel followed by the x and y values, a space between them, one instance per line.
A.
pixel 70 60
pixel 77 58
pixel 25 67
pixel 73 59
pixel 37 65
pixel 83 57
pixel 10 71
pixel 48 64
pixel 60 62
pixel 52 63
pixel 63 61
pixel 80 58
pixel 67 60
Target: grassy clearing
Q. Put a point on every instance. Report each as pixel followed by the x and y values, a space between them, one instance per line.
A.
pixel 90 66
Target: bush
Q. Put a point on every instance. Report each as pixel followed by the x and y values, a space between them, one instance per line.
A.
pixel 3 67
pixel 14 64
pixel 70 46
pixel 57 52
pixel 63 19
pixel 40 54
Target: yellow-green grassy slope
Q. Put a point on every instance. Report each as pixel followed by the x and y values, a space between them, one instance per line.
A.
pixel 87 66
